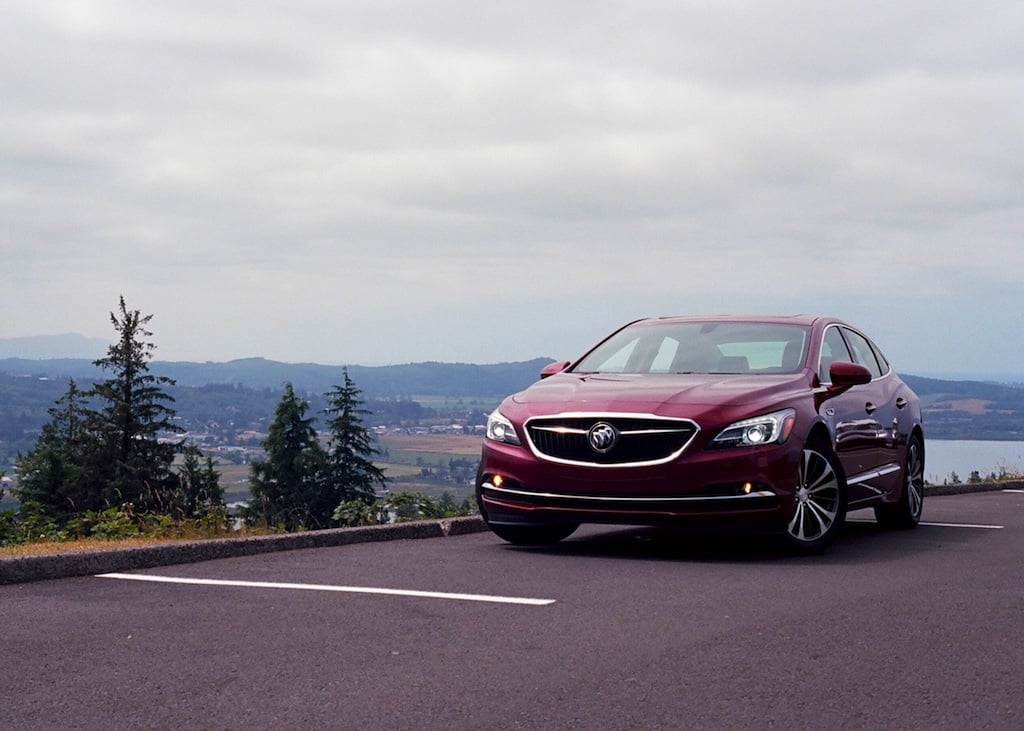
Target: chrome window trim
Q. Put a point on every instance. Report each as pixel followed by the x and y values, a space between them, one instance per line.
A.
pixel 871 343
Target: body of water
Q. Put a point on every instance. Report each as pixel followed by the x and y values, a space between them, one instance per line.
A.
pixel 943 457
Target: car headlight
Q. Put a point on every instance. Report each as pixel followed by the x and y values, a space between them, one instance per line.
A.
pixel 771 428
pixel 500 429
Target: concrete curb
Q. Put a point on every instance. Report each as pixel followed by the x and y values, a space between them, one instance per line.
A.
pixel 18 569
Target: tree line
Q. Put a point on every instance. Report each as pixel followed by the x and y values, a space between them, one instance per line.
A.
pixel 112 458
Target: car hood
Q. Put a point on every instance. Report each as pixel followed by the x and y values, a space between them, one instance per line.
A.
pixel 655 394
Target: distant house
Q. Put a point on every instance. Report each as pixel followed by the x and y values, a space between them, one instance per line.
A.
pixel 6 484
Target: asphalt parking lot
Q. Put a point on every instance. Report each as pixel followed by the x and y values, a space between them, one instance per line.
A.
pixel 616 628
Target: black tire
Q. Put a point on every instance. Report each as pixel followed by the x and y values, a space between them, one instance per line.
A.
pixel 905 513
pixel 819 505
pixel 533 535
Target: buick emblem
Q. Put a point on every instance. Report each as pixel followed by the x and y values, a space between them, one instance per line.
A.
pixel 602 437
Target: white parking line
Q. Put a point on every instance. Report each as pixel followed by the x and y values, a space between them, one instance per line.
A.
pixel 963 525
pixel 940 525
pixel 328 587
pixel 1017 492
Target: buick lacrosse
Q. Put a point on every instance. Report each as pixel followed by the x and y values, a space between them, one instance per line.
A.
pixel 777 424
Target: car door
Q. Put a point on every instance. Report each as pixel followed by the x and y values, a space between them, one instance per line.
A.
pixel 882 404
pixel 852 415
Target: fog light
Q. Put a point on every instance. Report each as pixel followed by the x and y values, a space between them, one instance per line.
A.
pixel 497 480
pixel 748 488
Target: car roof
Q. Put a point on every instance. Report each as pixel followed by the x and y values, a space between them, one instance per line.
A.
pixel 805 320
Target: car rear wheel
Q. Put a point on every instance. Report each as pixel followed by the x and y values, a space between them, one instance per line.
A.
pixel 820 500
pixel 906 512
pixel 533 535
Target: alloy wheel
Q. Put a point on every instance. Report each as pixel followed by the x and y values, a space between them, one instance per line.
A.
pixel 818 499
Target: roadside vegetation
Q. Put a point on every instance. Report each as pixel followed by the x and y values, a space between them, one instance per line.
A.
pixel 1002 473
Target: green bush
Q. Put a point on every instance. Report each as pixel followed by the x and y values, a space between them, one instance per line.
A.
pixel 400 507
pixel 353 513
pixel 111 524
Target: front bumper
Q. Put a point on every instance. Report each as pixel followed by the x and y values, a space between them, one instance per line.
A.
pixel 749 485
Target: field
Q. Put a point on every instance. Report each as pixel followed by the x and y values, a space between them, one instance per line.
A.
pixel 234 478
pixel 431 446
pixel 431 463
pixel 428 463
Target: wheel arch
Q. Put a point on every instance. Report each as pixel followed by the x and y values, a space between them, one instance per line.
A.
pixel 918 431
pixel 821 431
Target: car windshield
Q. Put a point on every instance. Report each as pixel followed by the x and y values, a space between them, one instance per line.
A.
pixel 655 346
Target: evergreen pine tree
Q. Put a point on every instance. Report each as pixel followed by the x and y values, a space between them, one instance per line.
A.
pixel 200 492
pixel 351 473
pixel 286 486
pixel 53 479
pixel 135 465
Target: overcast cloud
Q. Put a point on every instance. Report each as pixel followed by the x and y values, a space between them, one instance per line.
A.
pixel 387 182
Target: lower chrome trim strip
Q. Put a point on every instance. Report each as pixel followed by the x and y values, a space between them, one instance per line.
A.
pixel 873 474
pixel 640 500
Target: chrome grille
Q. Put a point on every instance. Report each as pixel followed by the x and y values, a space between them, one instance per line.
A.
pixel 641 439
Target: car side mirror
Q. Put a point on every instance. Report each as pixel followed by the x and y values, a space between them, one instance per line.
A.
pixel 844 375
pixel 553 368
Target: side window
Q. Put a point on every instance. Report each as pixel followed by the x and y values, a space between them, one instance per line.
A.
pixel 882 362
pixel 862 352
pixel 833 348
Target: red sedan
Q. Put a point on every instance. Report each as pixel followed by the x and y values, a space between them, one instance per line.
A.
pixel 751 423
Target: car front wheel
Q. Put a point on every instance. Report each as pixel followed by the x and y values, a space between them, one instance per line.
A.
pixel 820 500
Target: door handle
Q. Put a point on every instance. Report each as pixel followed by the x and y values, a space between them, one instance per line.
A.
pixel 901 403
pixel 870 407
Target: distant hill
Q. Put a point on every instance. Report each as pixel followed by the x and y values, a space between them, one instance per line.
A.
pixel 69 345
pixel 970 409
pixel 440 379
pixel 412 379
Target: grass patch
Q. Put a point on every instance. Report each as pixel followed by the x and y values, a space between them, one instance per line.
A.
pixel 396 470
pixel 455 445
pixel 416 457
pixel 44 548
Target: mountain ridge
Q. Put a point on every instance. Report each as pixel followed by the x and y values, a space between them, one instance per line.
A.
pixel 428 378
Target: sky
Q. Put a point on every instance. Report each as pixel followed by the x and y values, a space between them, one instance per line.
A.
pixel 390 182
